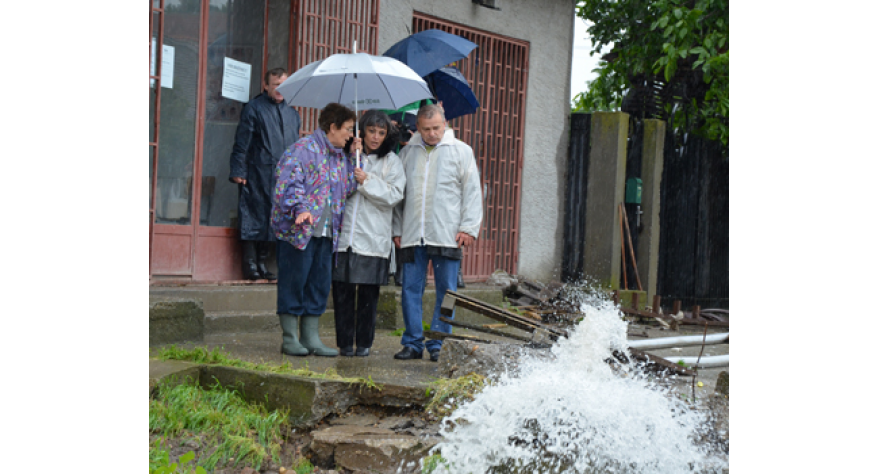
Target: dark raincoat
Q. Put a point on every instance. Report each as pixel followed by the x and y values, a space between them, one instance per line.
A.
pixel 265 131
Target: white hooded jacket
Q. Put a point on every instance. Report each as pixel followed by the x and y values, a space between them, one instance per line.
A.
pixel 366 227
pixel 442 195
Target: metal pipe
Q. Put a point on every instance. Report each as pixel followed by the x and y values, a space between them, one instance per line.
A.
pixel 709 361
pixel 680 341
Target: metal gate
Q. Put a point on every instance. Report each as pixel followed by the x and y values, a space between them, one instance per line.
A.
pixel 326 28
pixel 497 71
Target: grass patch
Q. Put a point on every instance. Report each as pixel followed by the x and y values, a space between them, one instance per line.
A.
pixel 161 464
pixel 201 355
pixel 301 466
pixel 432 463
pixel 245 432
pixel 447 394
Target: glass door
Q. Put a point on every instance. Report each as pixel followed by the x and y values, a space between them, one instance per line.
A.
pixel 233 76
pixel 174 59
pixel 234 70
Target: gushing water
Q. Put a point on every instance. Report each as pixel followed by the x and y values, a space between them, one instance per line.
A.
pixel 574 413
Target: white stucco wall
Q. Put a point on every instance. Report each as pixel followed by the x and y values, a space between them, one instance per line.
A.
pixel 546 26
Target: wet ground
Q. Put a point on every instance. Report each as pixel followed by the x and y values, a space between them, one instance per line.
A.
pixel 383 368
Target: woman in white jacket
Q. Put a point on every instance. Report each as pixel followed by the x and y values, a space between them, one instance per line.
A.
pixel 364 252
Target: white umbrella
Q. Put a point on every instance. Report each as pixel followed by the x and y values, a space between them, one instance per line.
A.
pixel 357 80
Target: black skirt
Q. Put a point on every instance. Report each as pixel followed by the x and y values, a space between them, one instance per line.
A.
pixel 350 267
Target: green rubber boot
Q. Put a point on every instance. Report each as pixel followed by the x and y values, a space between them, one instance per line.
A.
pixel 308 336
pixel 289 328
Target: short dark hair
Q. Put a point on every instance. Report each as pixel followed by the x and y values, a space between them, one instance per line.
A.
pixel 375 118
pixel 428 111
pixel 334 114
pixel 277 72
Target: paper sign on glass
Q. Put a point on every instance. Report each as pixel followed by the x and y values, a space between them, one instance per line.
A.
pixel 236 80
pixel 167 65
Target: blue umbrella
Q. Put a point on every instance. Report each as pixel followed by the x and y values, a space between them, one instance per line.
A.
pixel 451 88
pixel 429 50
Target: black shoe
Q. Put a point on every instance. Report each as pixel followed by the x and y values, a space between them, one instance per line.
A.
pixel 250 272
pixel 408 353
pixel 262 256
pixel 362 352
pixel 249 261
pixel 265 273
pixel 435 355
pixel 346 351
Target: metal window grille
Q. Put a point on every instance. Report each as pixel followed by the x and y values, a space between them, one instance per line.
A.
pixel 497 71
pixel 327 27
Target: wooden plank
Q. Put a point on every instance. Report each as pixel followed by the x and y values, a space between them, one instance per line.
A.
pixel 483 330
pixel 495 313
pixel 463 337
pixel 646 357
pixel 645 314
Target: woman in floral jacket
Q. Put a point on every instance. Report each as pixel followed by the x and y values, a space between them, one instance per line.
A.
pixel 314 178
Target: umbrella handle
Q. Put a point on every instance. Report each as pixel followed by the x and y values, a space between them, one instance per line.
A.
pixel 356 126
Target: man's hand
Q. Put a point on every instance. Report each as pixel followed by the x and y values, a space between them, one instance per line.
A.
pixel 464 239
pixel 360 175
pixel 305 216
pixel 239 180
pixel 396 241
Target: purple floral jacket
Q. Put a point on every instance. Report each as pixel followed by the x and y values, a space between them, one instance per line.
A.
pixel 307 172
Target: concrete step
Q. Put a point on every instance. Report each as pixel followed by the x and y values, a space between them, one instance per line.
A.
pixel 231 322
pixel 257 297
pixel 230 309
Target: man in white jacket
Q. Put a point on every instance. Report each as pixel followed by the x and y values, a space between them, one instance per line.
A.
pixel 441 213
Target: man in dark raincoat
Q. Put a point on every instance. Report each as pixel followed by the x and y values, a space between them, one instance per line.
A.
pixel 267 128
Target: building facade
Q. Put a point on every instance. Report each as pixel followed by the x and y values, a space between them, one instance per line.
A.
pixel 208 57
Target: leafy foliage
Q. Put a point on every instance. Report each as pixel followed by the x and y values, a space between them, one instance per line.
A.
pixel 670 55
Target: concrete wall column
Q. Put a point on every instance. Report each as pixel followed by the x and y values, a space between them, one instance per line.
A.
pixel 652 172
pixel 605 190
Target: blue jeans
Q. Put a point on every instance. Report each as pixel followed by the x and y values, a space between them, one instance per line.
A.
pixel 414 279
pixel 304 277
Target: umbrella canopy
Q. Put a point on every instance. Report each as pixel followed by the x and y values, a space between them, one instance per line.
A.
pixel 451 88
pixel 429 50
pixel 357 80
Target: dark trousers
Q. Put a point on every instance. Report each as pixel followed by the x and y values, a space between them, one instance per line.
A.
pixel 354 307
pixel 304 277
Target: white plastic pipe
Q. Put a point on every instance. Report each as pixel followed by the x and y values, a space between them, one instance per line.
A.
pixel 706 361
pixel 679 341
